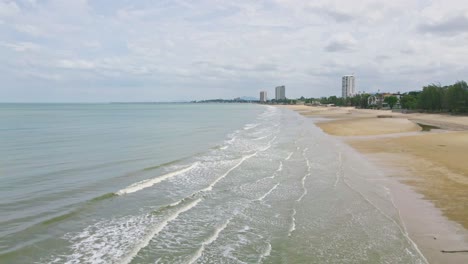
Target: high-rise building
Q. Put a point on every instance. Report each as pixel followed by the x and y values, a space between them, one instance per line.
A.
pixel 263 96
pixel 347 86
pixel 280 92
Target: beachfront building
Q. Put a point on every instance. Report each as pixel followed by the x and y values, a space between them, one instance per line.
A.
pixel 263 96
pixel 348 86
pixel 377 100
pixel 280 92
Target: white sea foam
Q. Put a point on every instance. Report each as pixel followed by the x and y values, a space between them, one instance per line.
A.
pixel 293 223
pixel 280 168
pixel 117 240
pixel 339 172
pixel 155 230
pixel 269 144
pixel 250 126
pixel 260 138
pixel 210 187
pixel 265 253
pixel 401 227
pixel 289 156
pixel 233 137
pixel 208 241
pixel 150 182
pixel 304 189
pixel 267 193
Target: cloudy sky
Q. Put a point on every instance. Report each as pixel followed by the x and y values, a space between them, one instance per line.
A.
pixel 125 50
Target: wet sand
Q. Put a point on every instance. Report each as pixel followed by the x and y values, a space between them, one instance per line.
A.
pixel 434 164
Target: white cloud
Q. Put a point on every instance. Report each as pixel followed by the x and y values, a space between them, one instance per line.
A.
pixel 241 46
pixel 30 29
pixel 8 8
pixel 93 44
pixel 21 46
pixel 76 64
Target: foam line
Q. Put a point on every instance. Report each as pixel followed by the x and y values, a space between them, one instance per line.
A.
pixel 293 223
pixel 210 187
pixel 304 192
pixel 150 182
pixel 267 193
pixel 155 230
pixel 402 229
pixel 340 169
pixel 207 242
pixel 250 126
pixel 289 156
pixel 265 253
pixel 259 138
pixel 280 168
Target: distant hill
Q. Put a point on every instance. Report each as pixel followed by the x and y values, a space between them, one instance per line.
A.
pixel 248 98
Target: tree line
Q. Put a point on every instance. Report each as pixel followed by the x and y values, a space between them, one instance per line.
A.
pixel 433 98
pixel 436 98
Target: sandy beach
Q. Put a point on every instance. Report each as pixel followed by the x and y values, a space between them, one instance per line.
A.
pixel 431 163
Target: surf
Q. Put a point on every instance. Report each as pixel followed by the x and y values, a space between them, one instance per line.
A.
pixel 150 182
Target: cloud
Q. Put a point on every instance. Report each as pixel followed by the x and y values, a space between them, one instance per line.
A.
pixel 341 43
pixel 21 46
pixel 8 9
pixel 76 64
pixel 449 26
pixel 30 30
pixel 93 44
pixel 179 50
pixel 335 14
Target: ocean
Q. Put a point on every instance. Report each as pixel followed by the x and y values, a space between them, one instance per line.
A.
pixel 188 183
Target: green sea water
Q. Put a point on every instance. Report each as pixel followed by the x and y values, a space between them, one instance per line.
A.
pixel 187 183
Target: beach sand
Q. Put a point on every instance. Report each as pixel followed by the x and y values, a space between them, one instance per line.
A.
pixel 434 166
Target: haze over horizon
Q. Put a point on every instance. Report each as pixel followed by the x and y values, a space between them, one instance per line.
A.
pixel 100 51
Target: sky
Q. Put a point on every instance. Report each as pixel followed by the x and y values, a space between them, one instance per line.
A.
pixel 142 50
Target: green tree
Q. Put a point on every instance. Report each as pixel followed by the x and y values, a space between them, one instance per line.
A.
pixel 409 101
pixel 431 98
pixel 391 101
pixel 456 96
pixel 364 102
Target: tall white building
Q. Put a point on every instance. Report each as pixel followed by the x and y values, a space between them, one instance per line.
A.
pixel 280 92
pixel 348 87
pixel 263 96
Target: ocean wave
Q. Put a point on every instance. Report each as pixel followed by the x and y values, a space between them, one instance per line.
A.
pixel 244 158
pixel 118 240
pixel 155 230
pixel 250 126
pixel 150 182
pixel 208 241
pixel 265 253
pixel 267 193
pixel 163 164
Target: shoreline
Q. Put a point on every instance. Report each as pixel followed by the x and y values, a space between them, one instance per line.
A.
pixel 426 175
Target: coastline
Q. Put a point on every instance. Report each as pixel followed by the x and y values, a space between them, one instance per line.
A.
pixel 426 172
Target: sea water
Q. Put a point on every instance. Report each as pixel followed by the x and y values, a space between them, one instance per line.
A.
pixel 188 183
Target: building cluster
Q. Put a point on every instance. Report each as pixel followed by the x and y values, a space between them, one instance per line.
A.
pixel 280 94
pixel 348 90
